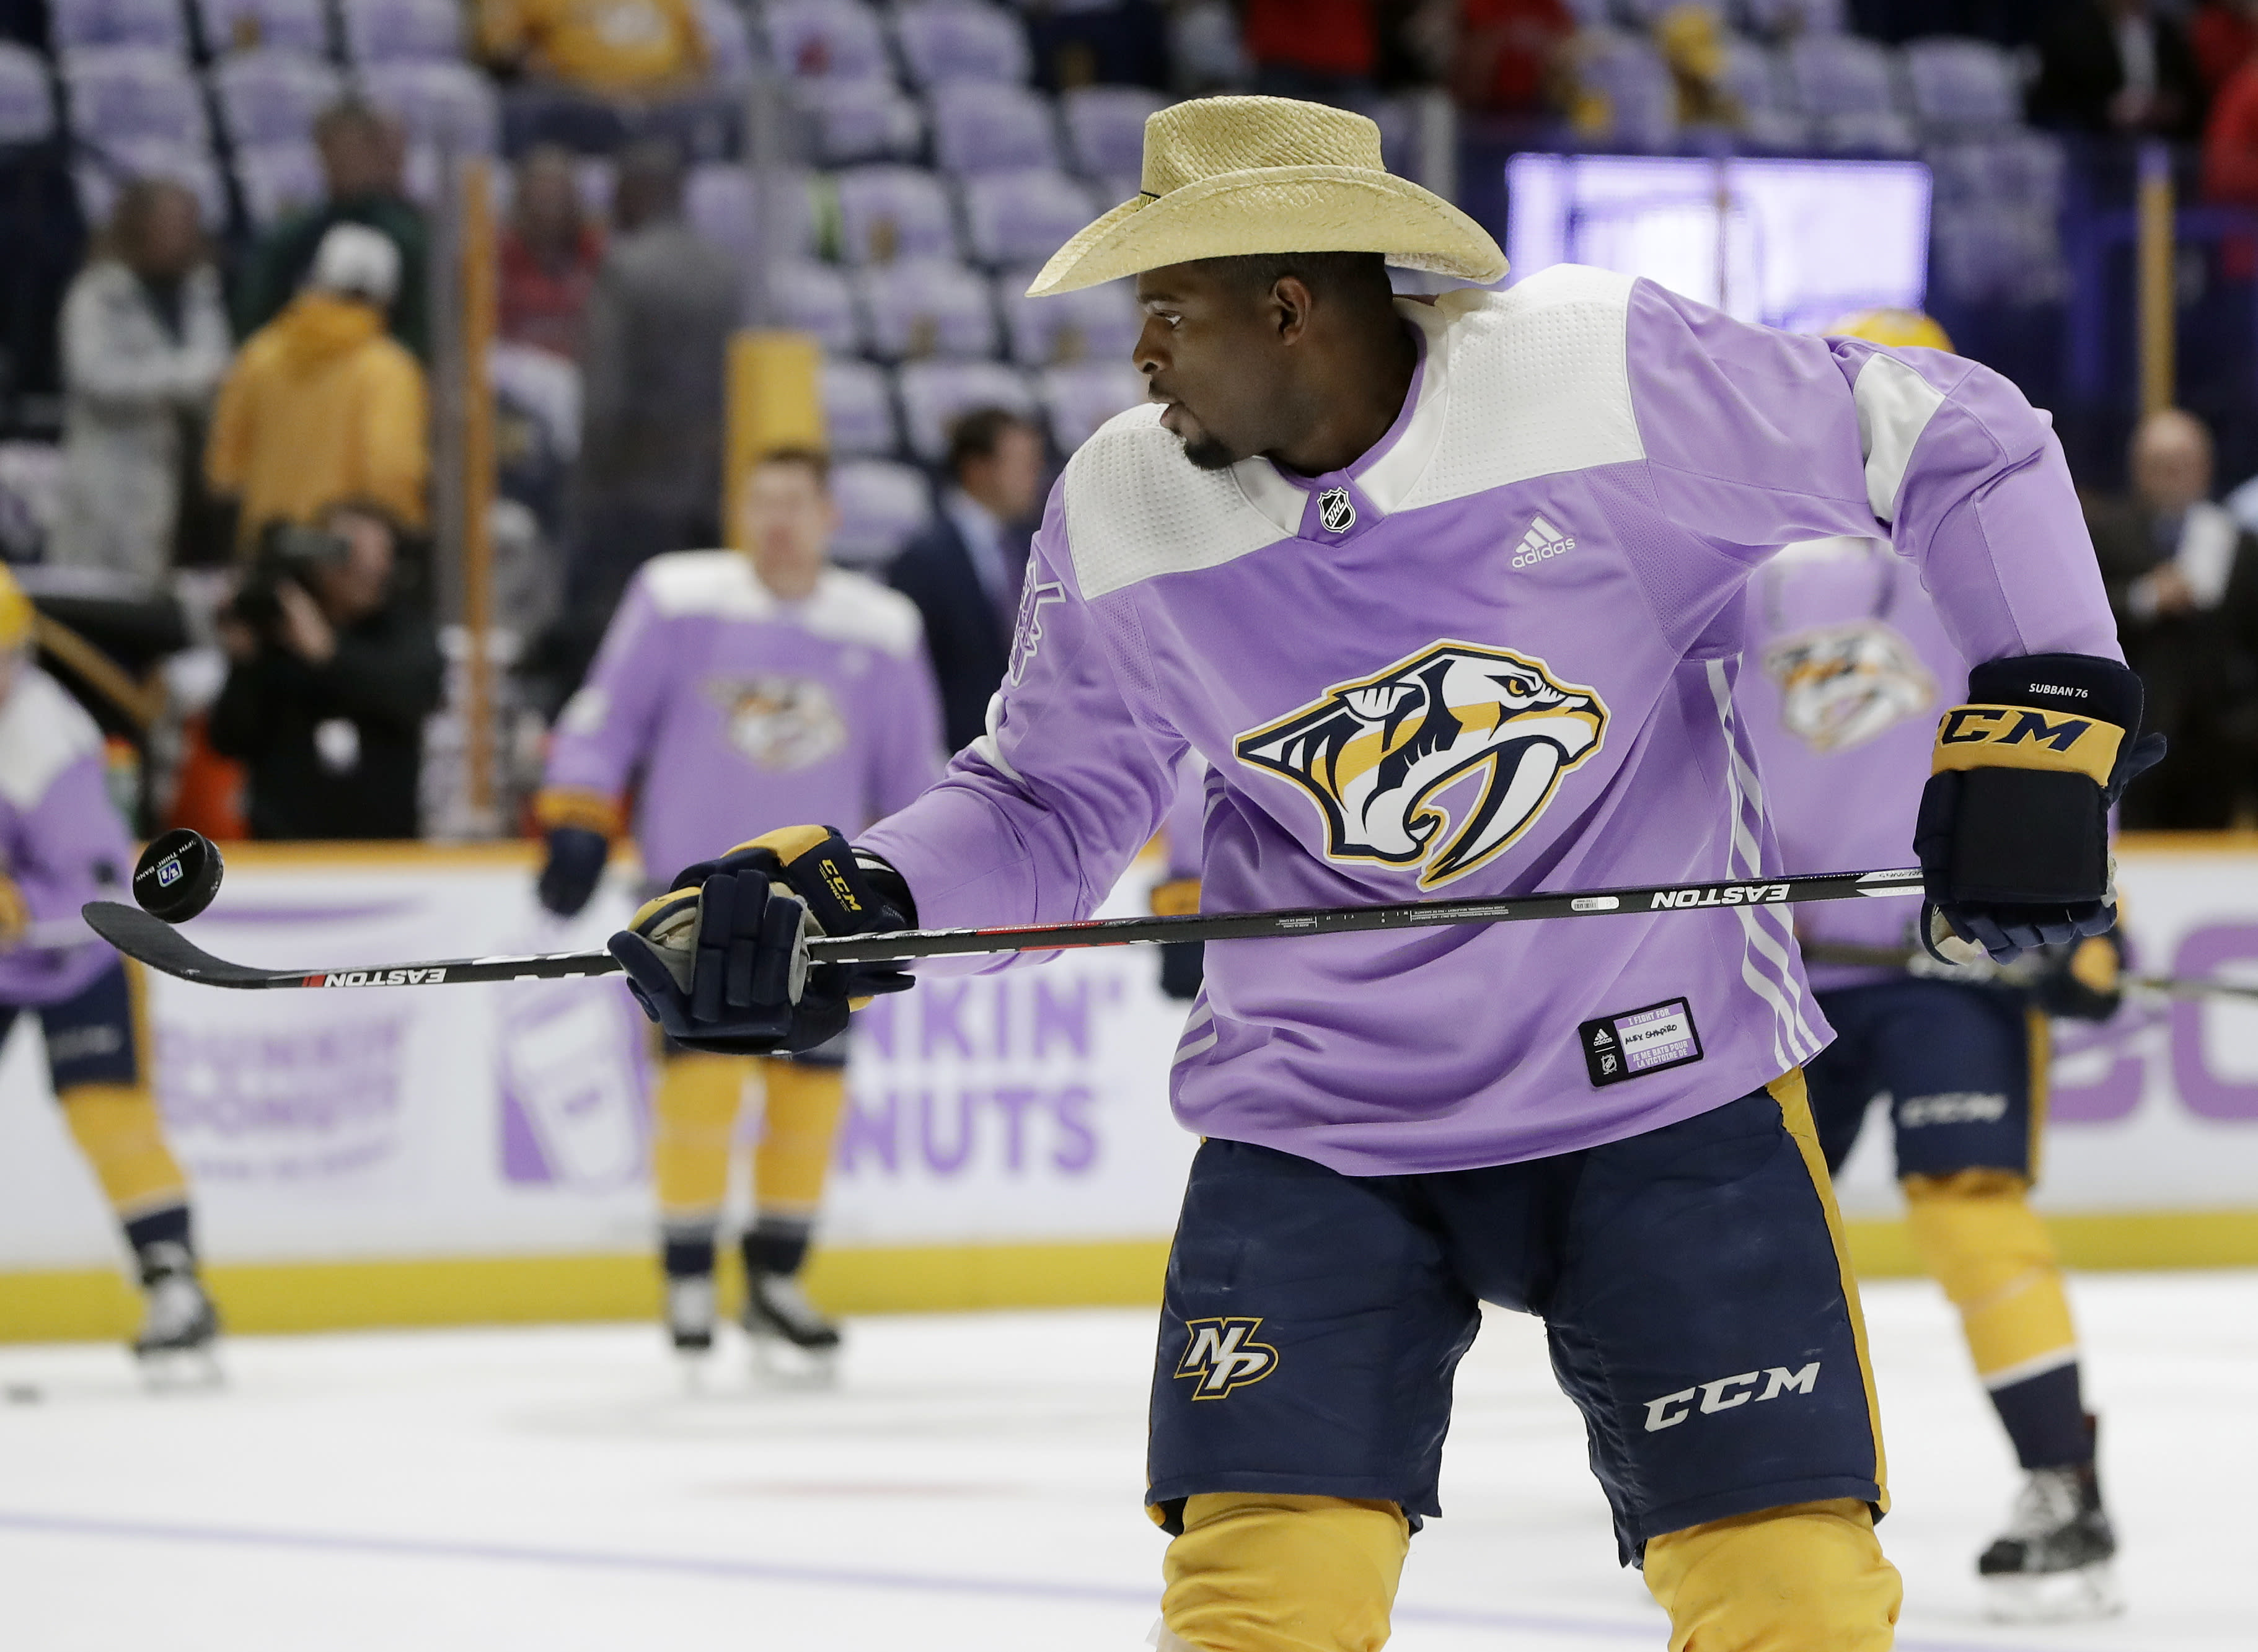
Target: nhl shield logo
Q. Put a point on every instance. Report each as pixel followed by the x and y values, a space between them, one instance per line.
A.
pixel 1335 510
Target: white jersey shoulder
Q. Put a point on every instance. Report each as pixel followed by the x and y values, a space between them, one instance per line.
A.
pixel 704 584
pixel 721 585
pixel 1533 381
pixel 852 608
pixel 43 731
pixel 1137 508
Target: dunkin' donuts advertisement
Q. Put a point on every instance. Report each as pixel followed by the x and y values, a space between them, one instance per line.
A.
pixel 1026 1105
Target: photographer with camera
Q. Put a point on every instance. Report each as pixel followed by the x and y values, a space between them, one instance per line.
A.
pixel 334 673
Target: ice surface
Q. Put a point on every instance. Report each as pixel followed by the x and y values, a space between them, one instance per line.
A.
pixel 971 1487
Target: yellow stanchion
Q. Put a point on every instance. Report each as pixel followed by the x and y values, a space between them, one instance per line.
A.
pixel 776 400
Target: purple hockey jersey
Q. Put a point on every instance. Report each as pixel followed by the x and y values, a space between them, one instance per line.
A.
pixel 1497 654
pixel 1848 669
pixel 61 838
pixel 738 713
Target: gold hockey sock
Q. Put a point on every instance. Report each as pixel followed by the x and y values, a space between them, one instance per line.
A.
pixel 118 1129
pixel 1258 1573
pixel 798 1123
pixel 1980 1239
pixel 1808 1578
pixel 694 1115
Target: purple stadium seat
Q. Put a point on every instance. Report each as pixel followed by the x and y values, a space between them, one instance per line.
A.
pixel 814 298
pixel 1022 217
pixel 157 24
pixel 443 104
pixel 401 31
pixel 1084 395
pixel 1097 323
pixel 1847 87
pixel 278 178
pixel 123 93
pixel 887 213
pixel 880 506
pixel 271 97
pixel 936 393
pixel 276 26
pixel 926 307
pixel 826 40
pixel 1105 129
pixel 849 121
pixel 100 178
pixel 858 411
pixel 722 205
pixel 1591 14
pixel 992 129
pixel 1786 19
pixel 728 41
pixel 945 43
pixel 1753 76
pixel 1962 85
pixel 1630 74
pixel 27 102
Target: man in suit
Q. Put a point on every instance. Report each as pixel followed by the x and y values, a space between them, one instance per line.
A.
pixel 964 571
pixel 2118 65
pixel 2182 575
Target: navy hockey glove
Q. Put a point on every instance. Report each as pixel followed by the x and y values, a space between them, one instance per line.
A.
pixel 721 960
pixel 2013 832
pixel 2081 983
pixel 574 867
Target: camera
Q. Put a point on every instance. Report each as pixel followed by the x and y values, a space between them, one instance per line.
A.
pixel 287 550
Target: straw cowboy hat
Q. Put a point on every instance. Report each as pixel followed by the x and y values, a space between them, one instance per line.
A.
pixel 1230 175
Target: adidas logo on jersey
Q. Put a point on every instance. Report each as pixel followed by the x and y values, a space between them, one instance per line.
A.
pixel 1543 540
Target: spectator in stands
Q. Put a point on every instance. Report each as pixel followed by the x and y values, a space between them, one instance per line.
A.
pixel 622 47
pixel 330 679
pixel 1691 42
pixel 144 340
pixel 2183 578
pixel 657 338
pixel 1323 51
pixel 1508 54
pixel 321 406
pixel 2230 142
pixel 364 152
pixel 2224 34
pixel 1099 43
pixel 964 573
pixel 2118 65
pixel 549 255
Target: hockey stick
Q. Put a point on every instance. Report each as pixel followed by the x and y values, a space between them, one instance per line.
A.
pixel 139 935
pixel 1829 952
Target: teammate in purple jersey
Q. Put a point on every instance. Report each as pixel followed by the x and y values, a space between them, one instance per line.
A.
pixel 62 845
pixel 1448 596
pixel 732 687
pixel 1849 668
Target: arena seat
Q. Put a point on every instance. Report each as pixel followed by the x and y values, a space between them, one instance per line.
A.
pixel 881 504
pixel 826 40
pixel 935 394
pixel 992 129
pixel 271 25
pixel 271 96
pixel 926 307
pixel 945 44
pixel 1081 395
pixel 1095 323
pixel 887 213
pixel 858 410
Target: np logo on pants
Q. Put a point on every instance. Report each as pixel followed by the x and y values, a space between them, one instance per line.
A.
pixel 1223 1355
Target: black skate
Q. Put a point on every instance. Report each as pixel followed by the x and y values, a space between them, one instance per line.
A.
pixel 792 1343
pixel 179 1325
pixel 2053 1562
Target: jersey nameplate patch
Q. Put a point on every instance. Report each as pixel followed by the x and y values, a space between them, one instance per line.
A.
pixel 1640 1041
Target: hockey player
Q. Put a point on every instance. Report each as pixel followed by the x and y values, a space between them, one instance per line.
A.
pixel 61 844
pixel 1849 669
pixel 1448 596
pixel 732 687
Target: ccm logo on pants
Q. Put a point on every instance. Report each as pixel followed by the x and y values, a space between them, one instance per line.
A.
pixel 1725 1393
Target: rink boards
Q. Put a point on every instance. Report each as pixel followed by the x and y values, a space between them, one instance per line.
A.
pixel 428 1155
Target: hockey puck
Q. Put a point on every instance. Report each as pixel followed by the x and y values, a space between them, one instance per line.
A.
pixel 177 875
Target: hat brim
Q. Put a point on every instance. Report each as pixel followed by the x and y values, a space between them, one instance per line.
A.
pixel 1277 210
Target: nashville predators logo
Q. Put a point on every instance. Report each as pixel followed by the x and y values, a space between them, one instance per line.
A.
pixel 1840 685
pixel 1223 1355
pixel 780 722
pixel 1371 753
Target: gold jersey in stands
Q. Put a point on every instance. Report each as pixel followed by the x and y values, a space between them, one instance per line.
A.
pixel 607 46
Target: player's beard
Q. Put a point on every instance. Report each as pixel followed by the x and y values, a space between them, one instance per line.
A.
pixel 1208 452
